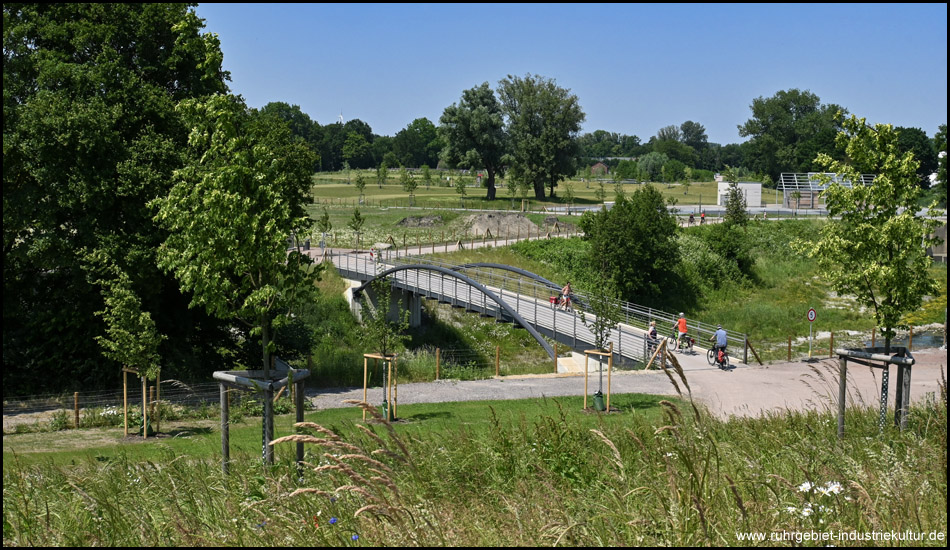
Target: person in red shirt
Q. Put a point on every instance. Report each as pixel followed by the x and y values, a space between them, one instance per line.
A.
pixel 680 327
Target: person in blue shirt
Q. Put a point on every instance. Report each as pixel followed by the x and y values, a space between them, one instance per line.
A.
pixel 721 340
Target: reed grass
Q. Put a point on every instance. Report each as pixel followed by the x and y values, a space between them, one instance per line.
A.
pixel 672 475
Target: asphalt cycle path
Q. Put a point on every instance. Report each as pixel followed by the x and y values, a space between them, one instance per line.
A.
pixel 744 391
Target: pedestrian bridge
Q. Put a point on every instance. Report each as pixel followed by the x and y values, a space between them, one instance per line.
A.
pixel 517 296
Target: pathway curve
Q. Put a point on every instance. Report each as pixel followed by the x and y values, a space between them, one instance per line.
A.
pixel 744 391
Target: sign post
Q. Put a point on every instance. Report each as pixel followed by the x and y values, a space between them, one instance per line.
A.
pixel 811 321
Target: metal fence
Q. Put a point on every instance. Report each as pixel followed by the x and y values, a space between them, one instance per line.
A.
pixel 172 392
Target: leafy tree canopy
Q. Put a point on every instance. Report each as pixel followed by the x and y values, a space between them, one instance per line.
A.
pixel 635 242
pixel 787 131
pixel 90 136
pixel 873 247
pixel 473 133
pixel 417 144
pixel 231 211
pixel 543 124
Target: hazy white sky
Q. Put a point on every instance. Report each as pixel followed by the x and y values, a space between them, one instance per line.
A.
pixel 635 68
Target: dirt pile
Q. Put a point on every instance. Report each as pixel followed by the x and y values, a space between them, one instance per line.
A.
pixel 420 221
pixel 500 225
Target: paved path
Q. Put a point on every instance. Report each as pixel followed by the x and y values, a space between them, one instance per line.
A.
pixel 743 391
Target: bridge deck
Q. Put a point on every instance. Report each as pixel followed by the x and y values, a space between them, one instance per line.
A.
pixel 528 299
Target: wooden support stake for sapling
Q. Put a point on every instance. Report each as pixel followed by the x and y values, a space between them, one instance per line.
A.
pixel 610 367
pixel 497 362
pixel 586 357
pixel 125 401
pixel 364 385
pixel 144 410
pixel 151 401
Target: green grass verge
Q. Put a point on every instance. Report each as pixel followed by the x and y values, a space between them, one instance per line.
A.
pixel 537 472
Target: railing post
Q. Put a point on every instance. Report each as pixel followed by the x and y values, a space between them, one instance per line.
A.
pixel 745 351
pixel 225 429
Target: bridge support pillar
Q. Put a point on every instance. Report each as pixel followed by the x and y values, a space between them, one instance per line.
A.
pixel 399 300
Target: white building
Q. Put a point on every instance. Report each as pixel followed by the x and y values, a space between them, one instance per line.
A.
pixel 751 191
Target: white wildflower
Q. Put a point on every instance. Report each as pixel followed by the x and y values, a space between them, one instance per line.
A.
pixel 833 487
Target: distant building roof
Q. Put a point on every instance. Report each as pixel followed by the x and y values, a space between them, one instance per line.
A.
pixel 810 181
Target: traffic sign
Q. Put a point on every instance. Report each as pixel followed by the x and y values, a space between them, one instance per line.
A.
pixel 812 315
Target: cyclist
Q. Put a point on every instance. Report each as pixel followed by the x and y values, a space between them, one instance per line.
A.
pixel 680 327
pixel 721 340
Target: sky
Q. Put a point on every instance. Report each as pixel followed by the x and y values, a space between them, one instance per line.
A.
pixel 634 68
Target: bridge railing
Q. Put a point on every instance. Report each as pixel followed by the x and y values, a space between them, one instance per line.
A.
pixel 521 288
pixel 634 315
pixel 530 298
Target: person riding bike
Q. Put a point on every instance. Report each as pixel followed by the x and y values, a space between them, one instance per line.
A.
pixel 680 327
pixel 721 339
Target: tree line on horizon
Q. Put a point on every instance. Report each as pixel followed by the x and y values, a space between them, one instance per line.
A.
pixel 786 132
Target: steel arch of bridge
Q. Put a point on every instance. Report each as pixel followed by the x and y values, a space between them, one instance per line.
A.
pixel 474 284
pixel 513 269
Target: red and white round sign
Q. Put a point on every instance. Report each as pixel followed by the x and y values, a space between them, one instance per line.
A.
pixel 812 315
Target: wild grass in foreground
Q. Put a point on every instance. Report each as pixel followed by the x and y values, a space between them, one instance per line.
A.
pixel 565 478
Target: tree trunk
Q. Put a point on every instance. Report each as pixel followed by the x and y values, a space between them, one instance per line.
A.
pixel 490 196
pixel 268 435
pixel 539 191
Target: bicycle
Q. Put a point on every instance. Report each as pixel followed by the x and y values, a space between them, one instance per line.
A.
pixel 673 342
pixel 713 360
pixel 559 302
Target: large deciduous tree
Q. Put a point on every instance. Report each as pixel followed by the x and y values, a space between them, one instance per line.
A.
pixel 544 121
pixel 473 133
pixel 873 247
pixel 417 144
pixel 694 135
pixel 916 141
pixel 787 131
pixel 90 136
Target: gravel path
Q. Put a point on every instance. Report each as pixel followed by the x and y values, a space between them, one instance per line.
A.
pixel 744 391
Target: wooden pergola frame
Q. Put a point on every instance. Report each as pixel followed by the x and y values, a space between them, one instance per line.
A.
pixel 610 365
pixel 392 389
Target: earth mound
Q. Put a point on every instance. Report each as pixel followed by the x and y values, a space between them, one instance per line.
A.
pixel 420 221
